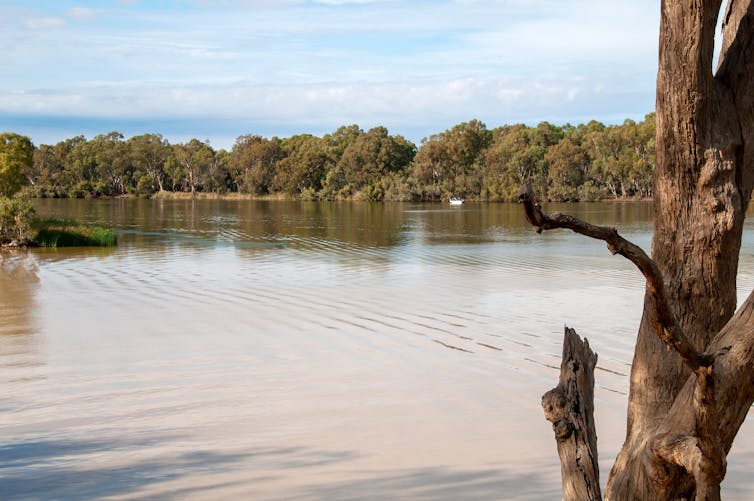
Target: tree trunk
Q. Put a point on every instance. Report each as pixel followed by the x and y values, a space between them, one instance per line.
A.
pixel 702 187
pixel 692 377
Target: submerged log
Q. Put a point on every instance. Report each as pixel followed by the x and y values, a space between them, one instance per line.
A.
pixel 570 408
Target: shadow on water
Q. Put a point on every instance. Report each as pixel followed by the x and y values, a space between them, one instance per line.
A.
pixel 45 470
pixel 76 469
pixel 19 284
pixel 438 484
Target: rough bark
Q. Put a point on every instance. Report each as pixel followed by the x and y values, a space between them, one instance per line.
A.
pixel 692 377
pixel 699 453
pixel 570 408
pixel 703 182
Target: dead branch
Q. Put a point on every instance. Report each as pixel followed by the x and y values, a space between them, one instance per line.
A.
pixel 664 322
pixel 701 454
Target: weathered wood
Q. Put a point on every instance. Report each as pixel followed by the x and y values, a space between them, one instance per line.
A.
pixel 570 408
pixel 664 322
pixel 687 403
pixel 701 455
pixel 733 393
pixel 699 452
pixel 703 181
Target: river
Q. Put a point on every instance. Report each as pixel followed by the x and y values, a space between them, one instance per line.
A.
pixel 284 350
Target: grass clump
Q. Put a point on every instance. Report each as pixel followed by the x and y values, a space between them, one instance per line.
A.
pixel 60 232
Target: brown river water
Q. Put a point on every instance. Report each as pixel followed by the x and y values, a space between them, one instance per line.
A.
pixel 323 351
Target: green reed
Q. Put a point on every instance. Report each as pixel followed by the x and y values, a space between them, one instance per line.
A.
pixel 63 232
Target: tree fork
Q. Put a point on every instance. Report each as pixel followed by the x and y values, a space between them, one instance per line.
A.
pixel 701 452
pixel 684 411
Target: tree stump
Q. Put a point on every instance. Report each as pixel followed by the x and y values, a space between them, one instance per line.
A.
pixel 570 408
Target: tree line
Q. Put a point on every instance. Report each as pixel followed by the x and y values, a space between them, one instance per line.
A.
pixel 563 163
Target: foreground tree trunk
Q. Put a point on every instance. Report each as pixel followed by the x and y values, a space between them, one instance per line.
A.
pixel 692 378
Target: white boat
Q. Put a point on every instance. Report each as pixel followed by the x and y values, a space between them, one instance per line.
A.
pixel 456 201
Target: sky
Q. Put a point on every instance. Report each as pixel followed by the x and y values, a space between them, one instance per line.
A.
pixel 219 69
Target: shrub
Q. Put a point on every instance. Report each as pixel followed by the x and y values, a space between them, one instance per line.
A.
pixel 64 232
pixel 15 219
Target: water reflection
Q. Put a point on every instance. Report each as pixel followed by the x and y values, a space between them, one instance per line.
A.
pixel 308 224
pixel 258 349
pixel 18 285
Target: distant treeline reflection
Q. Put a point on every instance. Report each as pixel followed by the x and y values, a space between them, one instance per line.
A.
pixel 563 163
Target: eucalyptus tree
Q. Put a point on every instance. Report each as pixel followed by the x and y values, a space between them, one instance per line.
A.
pixel 567 171
pixel 367 159
pixel 692 376
pixel 48 173
pixel 303 166
pixel 80 169
pixel 16 157
pixel 190 164
pixel 452 162
pixel 113 169
pixel 217 178
pixel 252 163
pixel 336 144
pixel 516 155
pixel 148 155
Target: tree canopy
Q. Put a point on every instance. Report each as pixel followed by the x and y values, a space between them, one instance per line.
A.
pixel 563 163
pixel 16 156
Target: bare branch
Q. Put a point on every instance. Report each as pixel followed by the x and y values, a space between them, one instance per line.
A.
pixel 664 322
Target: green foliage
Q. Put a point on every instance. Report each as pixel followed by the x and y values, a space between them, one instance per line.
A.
pixel 252 163
pixel 16 158
pixel 567 165
pixel 46 222
pixel 193 161
pixel 451 163
pixel 60 232
pixel 148 154
pixel 16 217
pixel 366 159
pixel 517 155
pixel 302 169
pixel 585 162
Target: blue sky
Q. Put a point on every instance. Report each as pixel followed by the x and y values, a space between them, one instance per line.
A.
pixel 218 69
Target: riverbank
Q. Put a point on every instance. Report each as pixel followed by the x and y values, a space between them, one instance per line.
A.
pixel 182 195
pixel 20 227
pixel 200 195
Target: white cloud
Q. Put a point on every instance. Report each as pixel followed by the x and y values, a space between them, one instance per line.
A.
pixel 313 63
pixel 500 101
pixel 43 23
pixel 81 13
pixel 346 2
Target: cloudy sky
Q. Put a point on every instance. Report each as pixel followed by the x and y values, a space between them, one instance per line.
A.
pixel 218 69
